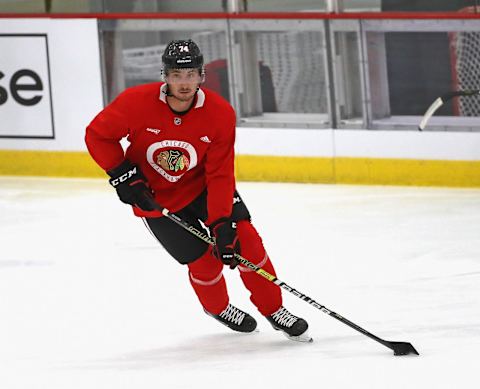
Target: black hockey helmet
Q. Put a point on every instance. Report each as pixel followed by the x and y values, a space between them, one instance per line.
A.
pixel 181 54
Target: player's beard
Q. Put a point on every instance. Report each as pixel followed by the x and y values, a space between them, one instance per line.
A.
pixel 185 94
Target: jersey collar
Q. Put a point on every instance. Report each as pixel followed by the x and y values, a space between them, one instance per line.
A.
pixel 200 96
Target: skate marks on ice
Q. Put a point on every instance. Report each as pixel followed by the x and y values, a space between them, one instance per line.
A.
pixel 7 263
pixel 223 350
pixel 203 351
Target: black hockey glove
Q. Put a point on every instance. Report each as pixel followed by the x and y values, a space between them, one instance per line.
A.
pixel 131 186
pixel 224 231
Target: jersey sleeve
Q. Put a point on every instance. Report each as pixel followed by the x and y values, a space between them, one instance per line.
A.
pixel 219 169
pixel 104 133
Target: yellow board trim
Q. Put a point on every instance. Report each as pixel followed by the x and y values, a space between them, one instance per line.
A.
pixel 380 171
pixel 284 169
pixel 48 163
pixel 365 171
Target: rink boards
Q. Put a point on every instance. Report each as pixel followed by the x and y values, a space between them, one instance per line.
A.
pixel 47 138
pixel 348 170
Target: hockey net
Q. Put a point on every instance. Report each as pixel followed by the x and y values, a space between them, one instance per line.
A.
pixel 465 61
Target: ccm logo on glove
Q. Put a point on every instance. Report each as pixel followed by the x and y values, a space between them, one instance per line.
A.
pixel 131 186
pixel 124 177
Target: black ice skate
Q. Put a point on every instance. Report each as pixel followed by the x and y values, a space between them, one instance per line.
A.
pixel 293 327
pixel 235 319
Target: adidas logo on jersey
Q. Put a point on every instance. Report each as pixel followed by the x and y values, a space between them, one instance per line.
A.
pixel 205 139
pixel 156 131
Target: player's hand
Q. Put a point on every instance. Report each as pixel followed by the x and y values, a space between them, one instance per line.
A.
pixel 224 231
pixel 131 186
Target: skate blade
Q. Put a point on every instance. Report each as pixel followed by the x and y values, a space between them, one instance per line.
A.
pixel 303 338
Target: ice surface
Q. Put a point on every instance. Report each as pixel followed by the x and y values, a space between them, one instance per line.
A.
pixel 88 299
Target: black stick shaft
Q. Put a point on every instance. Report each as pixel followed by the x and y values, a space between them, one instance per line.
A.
pixel 274 279
pixel 442 100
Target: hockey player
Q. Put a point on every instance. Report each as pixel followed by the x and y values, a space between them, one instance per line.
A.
pixel 181 154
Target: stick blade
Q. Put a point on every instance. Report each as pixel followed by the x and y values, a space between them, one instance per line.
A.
pixel 403 348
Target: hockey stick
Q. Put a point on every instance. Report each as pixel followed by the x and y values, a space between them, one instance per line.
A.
pixel 399 348
pixel 442 100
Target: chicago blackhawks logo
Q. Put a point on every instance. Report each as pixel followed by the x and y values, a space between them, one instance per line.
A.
pixel 172 158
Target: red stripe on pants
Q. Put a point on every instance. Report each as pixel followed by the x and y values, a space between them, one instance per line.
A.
pixel 210 290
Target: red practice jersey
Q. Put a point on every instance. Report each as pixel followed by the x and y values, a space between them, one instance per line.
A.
pixel 180 155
